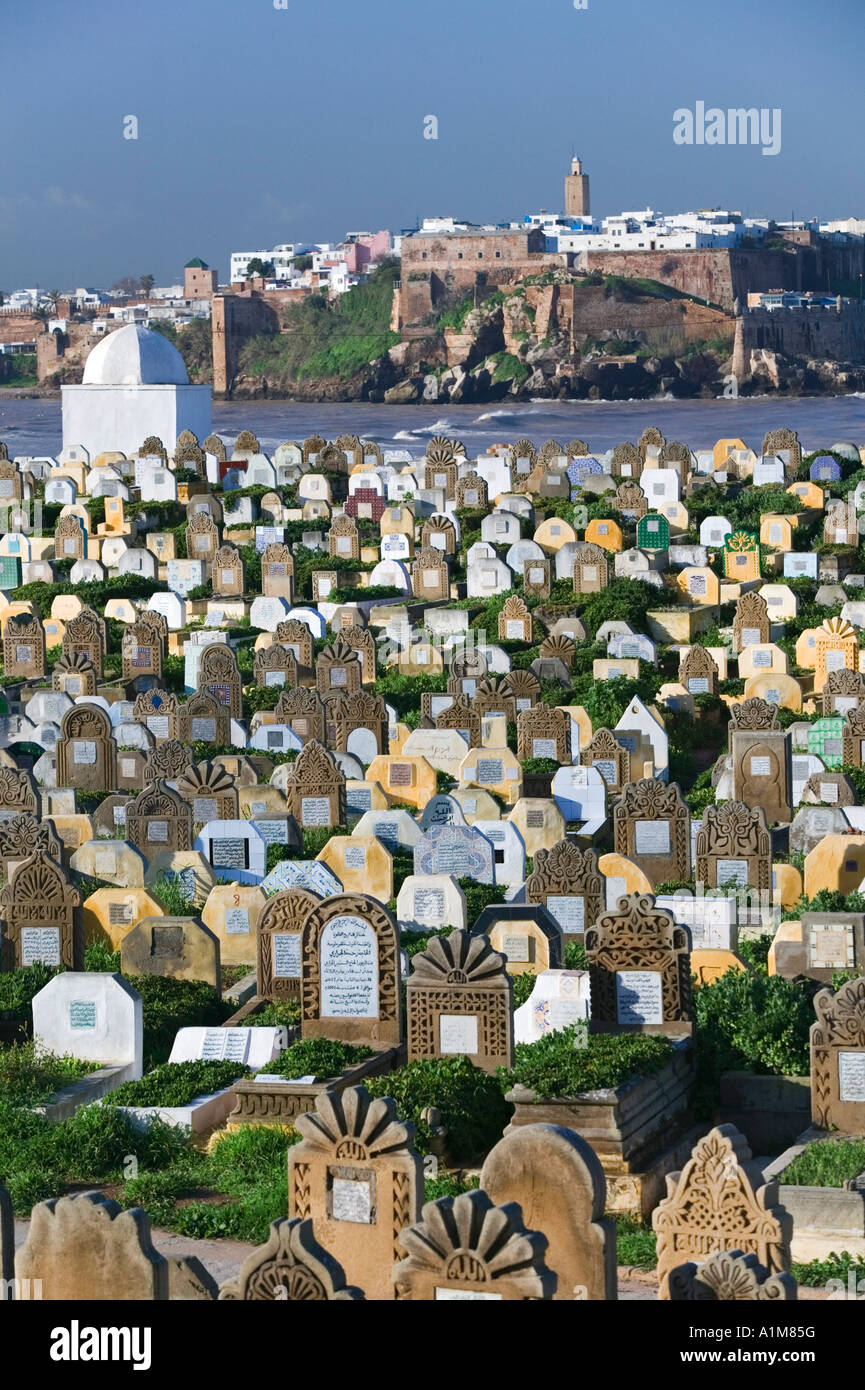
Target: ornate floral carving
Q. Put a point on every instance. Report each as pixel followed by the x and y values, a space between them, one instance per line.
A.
pixel 729 1277
pixel 719 1202
pixel 637 935
pixel 754 715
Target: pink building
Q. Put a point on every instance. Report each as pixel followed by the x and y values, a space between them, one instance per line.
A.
pixel 364 251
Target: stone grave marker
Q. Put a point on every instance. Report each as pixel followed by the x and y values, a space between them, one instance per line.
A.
pixel 41 914
pixel 459 1002
pixel 639 963
pixel 94 1016
pixel 651 826
pixel 838 1059
pixel 350 989
pixel 567 882
pixel 358 1176
pixel 180 948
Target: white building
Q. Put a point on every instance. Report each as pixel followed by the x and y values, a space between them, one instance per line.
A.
pixel 135 384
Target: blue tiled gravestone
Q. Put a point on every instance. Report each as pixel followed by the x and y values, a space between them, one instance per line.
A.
pixel 459 850
pixel 302 873
pixel 825 469
pixel 580 468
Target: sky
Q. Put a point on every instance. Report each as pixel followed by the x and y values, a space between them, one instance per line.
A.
pixel 259 125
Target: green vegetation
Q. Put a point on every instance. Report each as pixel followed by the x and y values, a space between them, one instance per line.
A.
pixel 28 1079
pixel 636 1244
pixel 327 339
pixel 827 1163
pixel 176 1083
pixel 473 1109
pixel 318 1057
pixel 571 1061
pixel 750 1021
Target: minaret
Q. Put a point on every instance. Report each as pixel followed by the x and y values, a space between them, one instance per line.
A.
pixel 576 191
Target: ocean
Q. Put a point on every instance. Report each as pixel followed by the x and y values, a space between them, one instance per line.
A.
pixel 34 427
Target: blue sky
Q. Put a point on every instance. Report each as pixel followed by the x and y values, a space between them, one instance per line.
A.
pixel 259 125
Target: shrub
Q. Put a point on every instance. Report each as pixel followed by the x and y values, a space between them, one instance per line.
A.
pixel 472 1107
pixel 17 988
pixel 568 1062
pixel 26 1079
pixel 319 1057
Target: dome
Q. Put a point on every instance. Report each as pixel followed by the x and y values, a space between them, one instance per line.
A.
pixel 135 356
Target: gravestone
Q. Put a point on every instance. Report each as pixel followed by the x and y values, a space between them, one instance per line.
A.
pixel 158 820
pixel 567 882
pixel 94 1016
pixel 358 1176
pixel 23 648
pixel 350 989
pixel 734 847
pixel 41 913
pixel 762 772
pixel 291 1267
pixel 640 968
pixel 459 1002
pixel 278 943
pixel 838 1059
pixel 544 732
pixel 556 1179
pixel 466 1248
pixel 525 934
pixel 84 1248
pixel 651 827
pixel 179 948
pixel 719 1197
pixel 315 788
pixel 455 849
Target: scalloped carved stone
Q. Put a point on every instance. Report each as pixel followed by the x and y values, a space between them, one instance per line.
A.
pixel 464 1247
pixel 780 439
pixel 471 492
pixel 158 711
pixel 202 537
pixel 344 538
pixel 291 632
pixel 169 760
pixel 359 710
pixel 84 1247
pixel 718 1202
pixel 459 1002
pixel 227 576
pixel 651 825
pixel 729 1277
pixel 338 668
pixel 291 1267
pixel 275 665
pixel 86 633
pixel 640 970
pixel 515 621
pixel 358 1176
pixel 23 836
pixel 838 1059
pixel 210 790
pixel 462 716
pixel 73 675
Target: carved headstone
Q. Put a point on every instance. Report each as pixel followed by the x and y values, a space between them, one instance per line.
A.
pixel 459 1001
pixel 640 968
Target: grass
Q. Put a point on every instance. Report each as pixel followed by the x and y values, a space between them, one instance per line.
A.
pixel 176 1083
pixel 636 1244
pixel 827 1163
pixel 28 1079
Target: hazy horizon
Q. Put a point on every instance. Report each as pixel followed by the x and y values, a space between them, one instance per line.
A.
pixel 259 125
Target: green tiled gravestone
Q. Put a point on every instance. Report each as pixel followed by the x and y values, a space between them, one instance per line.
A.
pixel 653 532
pixel 825 739
pixel 10 571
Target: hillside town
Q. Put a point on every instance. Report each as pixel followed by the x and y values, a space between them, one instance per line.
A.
pixel 552 305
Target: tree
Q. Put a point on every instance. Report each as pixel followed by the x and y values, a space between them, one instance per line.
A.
pixel 128 286
pixel 147 282
pixel 55 297
pixel 259 269
pixel 302 262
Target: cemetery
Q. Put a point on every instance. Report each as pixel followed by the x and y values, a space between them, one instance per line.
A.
pixel 433 872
